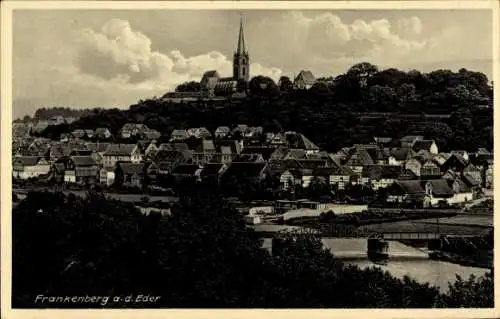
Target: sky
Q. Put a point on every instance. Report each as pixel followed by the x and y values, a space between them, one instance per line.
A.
pixel 113 58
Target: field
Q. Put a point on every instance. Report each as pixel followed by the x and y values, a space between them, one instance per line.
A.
pixel 428 225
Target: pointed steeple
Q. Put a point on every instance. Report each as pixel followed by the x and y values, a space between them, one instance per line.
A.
pixel 241 39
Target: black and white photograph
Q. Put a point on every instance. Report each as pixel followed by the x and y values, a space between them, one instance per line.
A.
pixel 243 157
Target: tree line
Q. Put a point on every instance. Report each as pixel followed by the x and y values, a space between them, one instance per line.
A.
pixel 202 256
pixel 454 108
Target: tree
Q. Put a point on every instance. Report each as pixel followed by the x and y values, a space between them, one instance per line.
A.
pixel 263 86
pixel 362 73
pixel 191 86
pixel 285 84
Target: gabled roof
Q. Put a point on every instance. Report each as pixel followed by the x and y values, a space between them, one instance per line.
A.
pixel 211 74
pixel 382 140
pixel 359 157
pixel 205 145
pixel 83 161
pixel 441 187
pixel 27 160
pixel 222 129
pixel 265 151
pixel 245 169
pixel 247 158
pixel 401 153
pixel 152 134
pixel 407 175
pixel 311 163
pixel 377 172
pixel 411 187
pixel 296 173
pixel 211 169
pixel 422 145
pixel 97 147
pixel 471 179
pixel 120 149
pixel 132 168
pixel 306 76
pixel 295 154
pixel 299 141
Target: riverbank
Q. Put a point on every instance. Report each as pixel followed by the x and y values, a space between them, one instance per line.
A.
pixel 485 262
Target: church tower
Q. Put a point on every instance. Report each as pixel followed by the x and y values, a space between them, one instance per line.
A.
pixel 241 65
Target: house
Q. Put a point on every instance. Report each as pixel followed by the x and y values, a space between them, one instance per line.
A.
pixel 40 127
pixel 167 160
pixel 463 154
pixel 121 153
pixel 265 151
pixel 80 169
pixel 132 129
pixel 130 174
pixel 186 172
pixel 454 162
pixel 278 139
pixel 408 141
pixel 342 176
pixel 59 150
pixel 414 165
pixel 151 134
pixel 248 158
pixel 381 176
pixel 179 135
pixel 244 172
pixel 89 133
pixel 488 175
pixel 451 191
pixel 25 167
pixel 209 80
pixel 430 193
pixel 212 172
pixel 78 133
pixel 472 176
pixel 427 145
pixel 107 176
pixel 222 132
pixel 300 142
pixel 406 192
pixel 204 152
pixel 430 170
pixel 290 178
pixel 358 158
pixel 203 133
pixel 65 137
pixel 102 133
pixel 253 132
pixel 400 155
pixel 151 150
pixel 56 120
pixel 304 80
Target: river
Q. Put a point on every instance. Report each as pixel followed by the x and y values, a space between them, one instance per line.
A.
pixel 403 260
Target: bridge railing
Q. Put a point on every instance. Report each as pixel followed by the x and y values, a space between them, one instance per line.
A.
pixel 409 235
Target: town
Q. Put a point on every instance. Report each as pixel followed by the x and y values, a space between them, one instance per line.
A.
pixel 249 187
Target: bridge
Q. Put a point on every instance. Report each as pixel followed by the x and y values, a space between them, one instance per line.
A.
pixel 344 231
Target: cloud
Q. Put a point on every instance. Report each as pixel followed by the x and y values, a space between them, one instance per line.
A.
pixel 328 36
pixel 412 25
pixel 119 52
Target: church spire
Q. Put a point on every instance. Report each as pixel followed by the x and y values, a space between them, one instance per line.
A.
pixel 241 39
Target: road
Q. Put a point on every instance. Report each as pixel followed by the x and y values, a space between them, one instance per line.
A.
pixel 121 197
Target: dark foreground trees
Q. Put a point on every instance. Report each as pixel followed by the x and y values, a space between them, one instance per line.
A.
pixel 202 255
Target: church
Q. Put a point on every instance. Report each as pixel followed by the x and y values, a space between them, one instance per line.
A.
pixel 213 83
